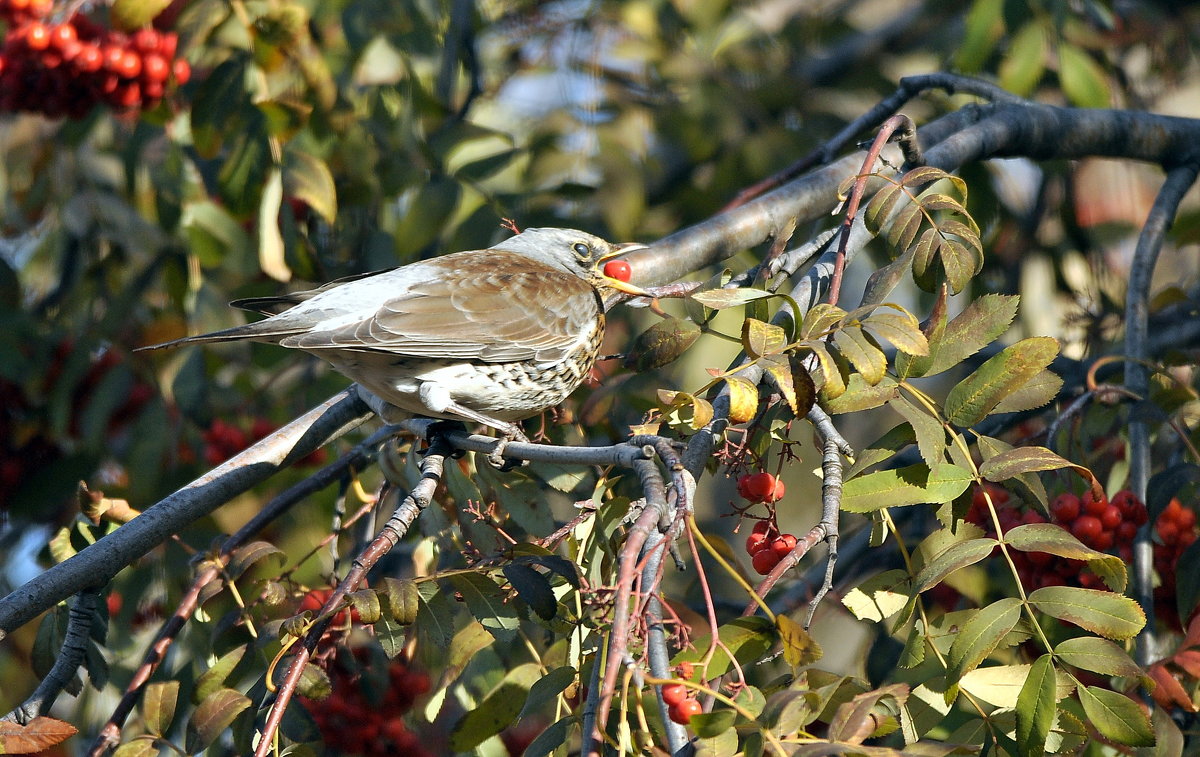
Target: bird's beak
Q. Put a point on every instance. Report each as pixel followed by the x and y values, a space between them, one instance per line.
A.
pixel 622 286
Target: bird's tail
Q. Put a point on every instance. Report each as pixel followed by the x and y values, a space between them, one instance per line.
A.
pixel 258 331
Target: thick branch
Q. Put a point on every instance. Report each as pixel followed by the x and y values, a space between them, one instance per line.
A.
pixel 1137 319
pixel 98 563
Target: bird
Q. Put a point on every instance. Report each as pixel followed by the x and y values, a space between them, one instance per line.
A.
pixel 491 336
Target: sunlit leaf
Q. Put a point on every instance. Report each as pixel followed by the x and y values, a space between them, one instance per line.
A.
pixel 1102 612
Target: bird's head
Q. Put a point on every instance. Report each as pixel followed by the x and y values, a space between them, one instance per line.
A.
pixel 575 252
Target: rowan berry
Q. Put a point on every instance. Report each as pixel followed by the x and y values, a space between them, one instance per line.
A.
pixel 1086 528
pixel 618 269
pixel 674 693
pixel 682 713
pixel 764 561
pixel 1066 507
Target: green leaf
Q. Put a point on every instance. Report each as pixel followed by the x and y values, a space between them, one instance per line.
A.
pixel 985 25
pixel 551 739
pixel 799 649
pixel 1029 485
pixel 1040 390
pixel 547 688
pixel 213 716
pixel 1116 716
pixel 498 710
pixel 910 485
pixel 979 636
pixel 977 326
pixel 486 601
pixel 1036 708
pixel 130 15
pixel 747 638
pixel 859 395
pixel 143 747
pixel 403 599
pixel 879 597
pixel 158 706
pixel 1056 540
pixel 1083 81
pixel 719 299
pixel 1099 656
pixel 532 587
pixel 712 724
pixel 307 178
pixel 435 618
pixel 1102 612
pixel 974 398
pixel 214 678
pixel 956 556
pixel 426 216
pixel 220 106
pixel 862 352
pixel 1018 460
pixel 1001 685
pixel 833 384
pixel 661 344
pixel 760 338
pixel 883 448
pixel 1187 580
pixel 901 329
pixel 931 436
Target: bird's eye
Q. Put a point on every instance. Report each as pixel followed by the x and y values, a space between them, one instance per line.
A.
pixel 582 250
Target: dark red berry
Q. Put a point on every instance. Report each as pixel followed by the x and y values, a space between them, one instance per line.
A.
pixel 1066 507
pixel 1086 528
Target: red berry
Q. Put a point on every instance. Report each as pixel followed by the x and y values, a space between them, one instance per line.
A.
pixel 37 36
pixel 1093 506
pixel 1186 519
pixel 89 58
pixel 1168 531
pixel 764 561
pixel 618 269
pixel 155 68
pixel 145 40
pixel 182 71
pixel 777 491
pixel 682 713
pixel 759 486
pixel 1066 507
pixel 1039 559
pixel 1111 517
pixel 783 545
pixel 1126 531
pixel 1086 528
pixel 62 35
pixel 130 65
pixel 674 693
pixel 167 44
pixel 1104 541
pixel 755 543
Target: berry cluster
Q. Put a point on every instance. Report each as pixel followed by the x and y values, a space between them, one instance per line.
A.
pixel 1099 523
pixel 618 269
pixel 761 487
pixel 766 546
pixel 369 723
pixel 224 440
pixel 65 69
pixel 681 704
pixel 1176 528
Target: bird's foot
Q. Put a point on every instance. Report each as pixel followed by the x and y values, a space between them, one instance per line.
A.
pixel 495 458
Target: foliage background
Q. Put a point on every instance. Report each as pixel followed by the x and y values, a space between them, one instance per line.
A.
pixel 319 140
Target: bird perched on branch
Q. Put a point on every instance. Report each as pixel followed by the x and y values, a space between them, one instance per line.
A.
pixel 491 336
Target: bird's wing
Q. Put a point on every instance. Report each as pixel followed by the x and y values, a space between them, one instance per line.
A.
pixel 491 306
pixel 274 305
